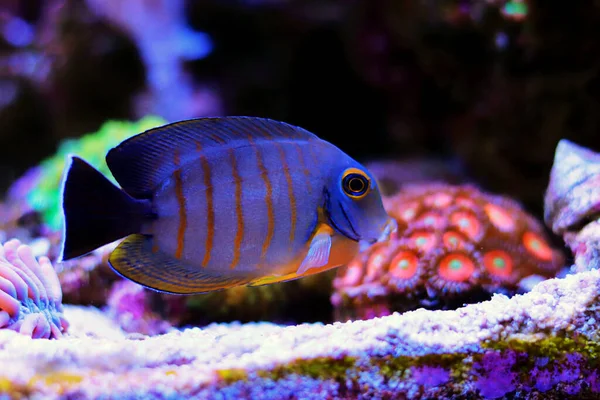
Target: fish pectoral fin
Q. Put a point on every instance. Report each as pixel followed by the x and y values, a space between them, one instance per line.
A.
pixel 134 259
pixel 318 253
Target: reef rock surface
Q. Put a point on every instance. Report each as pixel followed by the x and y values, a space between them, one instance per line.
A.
pixel 543 344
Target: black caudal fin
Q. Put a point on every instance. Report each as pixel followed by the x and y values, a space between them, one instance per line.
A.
pixel 96 211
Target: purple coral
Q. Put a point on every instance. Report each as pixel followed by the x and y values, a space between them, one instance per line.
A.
pixel 30 293
pixel 430 376
pixel 128 304
pixel 495 374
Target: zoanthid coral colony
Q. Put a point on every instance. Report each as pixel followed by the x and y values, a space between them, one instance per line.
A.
pixel 454 244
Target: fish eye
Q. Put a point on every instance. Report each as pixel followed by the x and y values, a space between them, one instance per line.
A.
pixel 355 183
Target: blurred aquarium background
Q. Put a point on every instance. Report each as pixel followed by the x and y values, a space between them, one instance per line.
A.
pixel 478 90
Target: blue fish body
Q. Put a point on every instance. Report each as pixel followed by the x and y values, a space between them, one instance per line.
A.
pixel 213 203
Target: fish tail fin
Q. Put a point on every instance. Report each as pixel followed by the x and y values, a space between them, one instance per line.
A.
pixel 136 260
pixel 96 212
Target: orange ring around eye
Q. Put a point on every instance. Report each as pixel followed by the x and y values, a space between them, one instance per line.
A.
pixel 360 174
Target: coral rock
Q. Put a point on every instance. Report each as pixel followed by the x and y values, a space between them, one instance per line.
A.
pixel 572 202
pixel 542 344
pixel 573 193
pixel 455 244
pixel 30 294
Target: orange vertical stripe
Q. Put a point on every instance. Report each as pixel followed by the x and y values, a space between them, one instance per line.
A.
pixel 290 190
pixel 182 210
pixel 217 138
pixel 239 235
pixel 268 198
pixel 312 145
pixel 305 170
pixel 210 211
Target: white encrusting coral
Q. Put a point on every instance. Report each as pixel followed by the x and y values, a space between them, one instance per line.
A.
pixel 353 359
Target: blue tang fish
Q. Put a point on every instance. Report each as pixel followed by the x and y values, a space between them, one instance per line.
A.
pixel 212 203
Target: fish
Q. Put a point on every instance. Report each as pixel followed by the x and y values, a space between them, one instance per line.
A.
pixel 212 203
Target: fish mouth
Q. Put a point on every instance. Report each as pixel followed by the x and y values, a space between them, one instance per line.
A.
pixel 389 228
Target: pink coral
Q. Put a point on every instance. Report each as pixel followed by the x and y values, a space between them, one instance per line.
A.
pixel 30 293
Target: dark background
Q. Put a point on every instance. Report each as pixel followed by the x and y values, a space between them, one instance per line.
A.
pixel 485 87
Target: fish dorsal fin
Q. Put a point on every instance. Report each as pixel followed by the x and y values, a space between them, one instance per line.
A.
pixel 142 162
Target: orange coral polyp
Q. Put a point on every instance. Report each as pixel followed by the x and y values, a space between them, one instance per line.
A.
pixel 465 202
pixel 467 223
pixel 537 246
pixel 456 267
pixel 430 219
pixel 404 265
pixel 498 263
pixel 438 200
pixel 376 262
pixel 453 239
pixel 499 217
pixel 408 212
pixel 423 240
pixel 352 276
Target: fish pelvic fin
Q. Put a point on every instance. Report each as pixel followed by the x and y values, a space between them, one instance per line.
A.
pixel 319 250
pixel 134 259
pixel 96 212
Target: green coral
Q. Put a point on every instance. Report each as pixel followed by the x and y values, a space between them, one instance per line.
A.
pixel 318 368
pixel 396 367
pixel 553 347
pixel 45 197
pixel 459 364
pixel 232 375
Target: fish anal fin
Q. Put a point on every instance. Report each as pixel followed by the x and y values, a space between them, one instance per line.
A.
pixel 134 260
pixel 143 161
